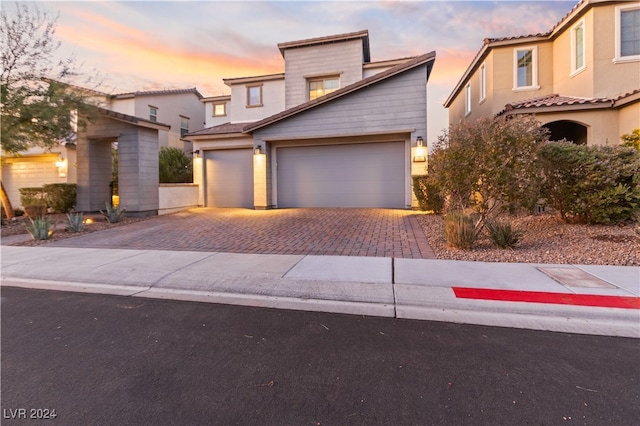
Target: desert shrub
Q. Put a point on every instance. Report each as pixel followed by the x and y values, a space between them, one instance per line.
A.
pixel 32 196
pixel 61 197
pixel 489 165
pixel 592 184
pixel 502 234
pixel 75 222
pixel 428 194
pixel 40 228
pixel 113 214
pixel 174 166
pixel 460 230
pixel 632 139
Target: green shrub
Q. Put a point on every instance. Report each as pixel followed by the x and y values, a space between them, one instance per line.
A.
pixel 502 234
pixel 40 228
pixel 428 194
pixel 18 212
pixel 112 214
pixel 460 230
pixel 32 196
pixel 61 197
pixel 75 222
pixel 592 184
pixel 174 166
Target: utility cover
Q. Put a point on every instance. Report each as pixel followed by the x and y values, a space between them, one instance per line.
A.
pixel 574 277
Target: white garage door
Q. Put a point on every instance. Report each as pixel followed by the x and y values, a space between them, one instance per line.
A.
pixel 229 177
pixel 25 175
pixel 354 175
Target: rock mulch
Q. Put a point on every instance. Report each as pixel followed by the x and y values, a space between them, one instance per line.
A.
pixel 546 239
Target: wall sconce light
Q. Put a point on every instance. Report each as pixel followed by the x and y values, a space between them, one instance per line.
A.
pixel 420 153
pixel 257 150
pixel 196 153
pixel 61 164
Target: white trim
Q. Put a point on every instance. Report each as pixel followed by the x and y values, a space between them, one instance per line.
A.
pixel 467 99
pixel 618 55
pixel 483 82
pixel 574 48
pixel 534 68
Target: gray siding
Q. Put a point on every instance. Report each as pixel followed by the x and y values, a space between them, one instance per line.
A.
pixel 138 170
pixel 398 103
pixel 344 58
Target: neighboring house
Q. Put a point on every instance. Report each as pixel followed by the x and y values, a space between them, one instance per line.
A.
pixel 137 122
pixel 333 130
pixel 581 79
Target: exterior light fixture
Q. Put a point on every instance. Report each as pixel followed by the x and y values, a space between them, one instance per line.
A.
pixel 420 155
pixel 196 153
pixel 61 164
pixel 257 150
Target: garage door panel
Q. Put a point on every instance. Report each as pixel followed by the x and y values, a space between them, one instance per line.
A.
pixel 354 175
pixel 229 177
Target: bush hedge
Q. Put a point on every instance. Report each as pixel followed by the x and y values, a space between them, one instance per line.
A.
pixel 61 197
pixel 428 194
pixel 592 184
pixel 174 166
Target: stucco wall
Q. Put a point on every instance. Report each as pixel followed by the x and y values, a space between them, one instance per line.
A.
pixel 272 102
pixel 174 197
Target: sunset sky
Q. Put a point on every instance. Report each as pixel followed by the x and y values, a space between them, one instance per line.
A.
pixel 149 45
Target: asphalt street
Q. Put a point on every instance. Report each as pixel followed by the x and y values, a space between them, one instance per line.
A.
pixel 107 360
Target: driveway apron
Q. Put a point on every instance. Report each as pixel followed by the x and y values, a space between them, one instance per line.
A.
pixel 336 232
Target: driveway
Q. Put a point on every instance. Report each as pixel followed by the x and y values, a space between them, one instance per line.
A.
pixel 338 232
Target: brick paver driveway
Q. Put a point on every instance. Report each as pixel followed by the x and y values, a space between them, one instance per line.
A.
pixel 340 232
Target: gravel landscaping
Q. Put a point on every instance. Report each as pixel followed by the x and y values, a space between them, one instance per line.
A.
pixel 546 239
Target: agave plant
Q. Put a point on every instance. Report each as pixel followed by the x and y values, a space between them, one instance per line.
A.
pixel 40 228
pixel 75 222
pixel 112 213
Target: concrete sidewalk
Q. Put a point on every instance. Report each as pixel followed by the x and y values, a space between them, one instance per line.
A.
pixel 585 299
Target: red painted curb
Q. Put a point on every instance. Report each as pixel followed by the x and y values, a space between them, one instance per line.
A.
pixel 622 302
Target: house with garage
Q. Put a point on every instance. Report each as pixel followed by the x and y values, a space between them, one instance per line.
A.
pixel 581 78
pixel 139 124
pixel 335 129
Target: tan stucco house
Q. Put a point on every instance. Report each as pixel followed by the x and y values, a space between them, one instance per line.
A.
pixel 581 78
pixel 335 129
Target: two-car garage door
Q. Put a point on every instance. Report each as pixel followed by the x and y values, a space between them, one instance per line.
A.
pixel 352 175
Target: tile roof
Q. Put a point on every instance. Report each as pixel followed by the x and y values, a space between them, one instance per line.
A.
pixel 418 60
pixel 157 92
pixel 556 100
pixel 581 7
pixel 221 129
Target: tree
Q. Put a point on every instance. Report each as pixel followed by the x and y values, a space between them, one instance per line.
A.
pixel 38 107
pixel 174 166
pixel 489 165
pixel 631 139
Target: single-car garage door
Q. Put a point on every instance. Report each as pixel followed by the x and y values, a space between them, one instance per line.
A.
pixel 229 177
pixel 353 175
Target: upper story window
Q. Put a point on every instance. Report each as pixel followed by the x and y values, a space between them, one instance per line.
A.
pixel 483 82
pixel 254 96
pixel 525 73
pixel 153 113
pixel 467 100
pixel 184 126
pixel 220 109
pixel 322 86
pixel 577 48
pixel 627 33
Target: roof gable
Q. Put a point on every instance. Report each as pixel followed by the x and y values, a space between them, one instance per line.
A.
pixel 428 58
pixel 364 35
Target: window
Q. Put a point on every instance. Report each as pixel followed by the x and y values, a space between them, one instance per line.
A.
pixel 483 82
pixel 525 68
pixel 184 126
pixel 627 33
pixel 153 113
pixel 467 100
pixel 219 110
pixel 254 96
pixel 577 47
pixel 323 86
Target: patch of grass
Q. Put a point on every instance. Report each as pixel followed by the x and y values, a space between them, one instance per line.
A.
pixel 460 230
pixel 503 234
